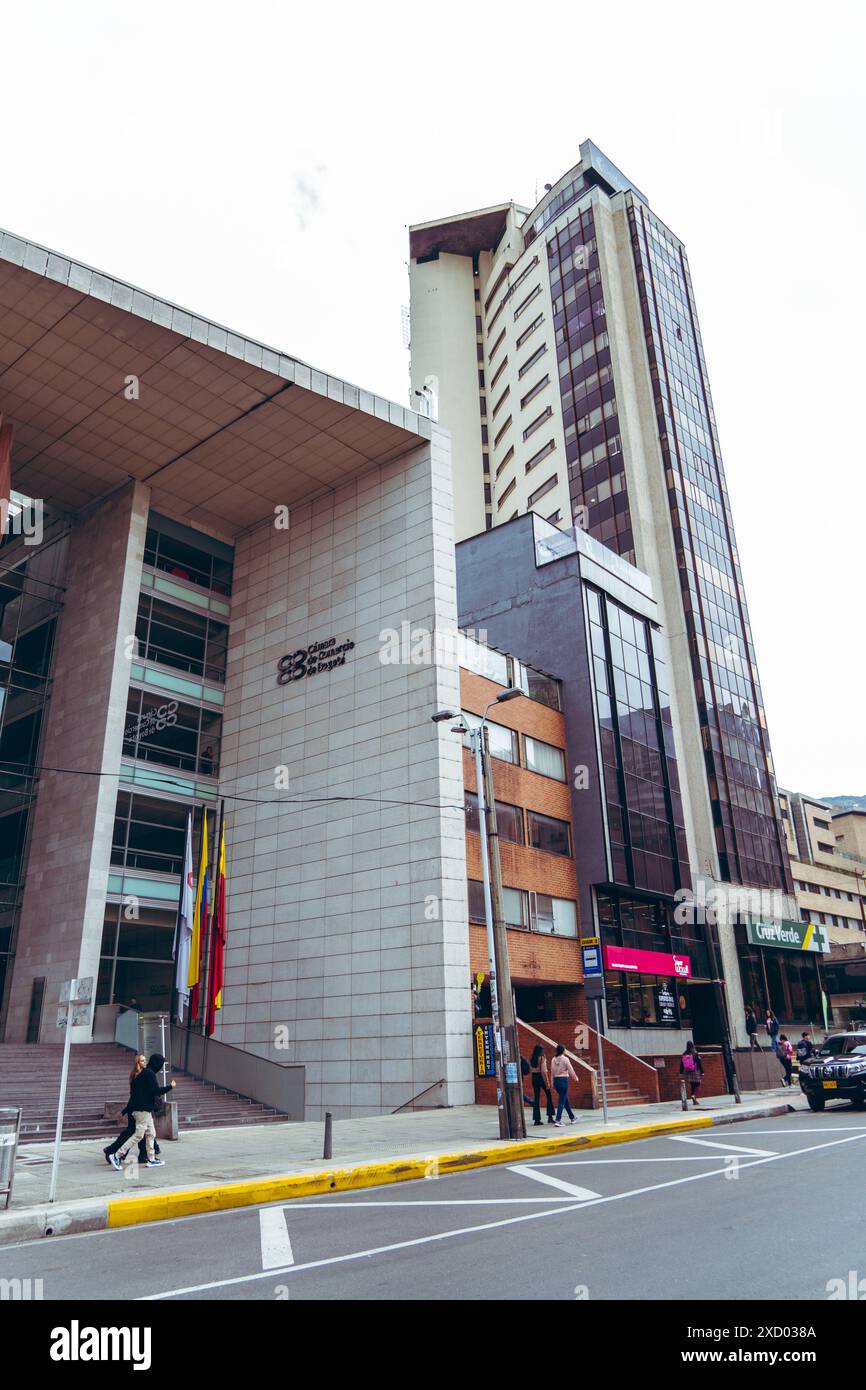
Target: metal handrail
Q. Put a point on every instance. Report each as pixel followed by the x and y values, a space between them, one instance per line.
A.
pixel 418 1094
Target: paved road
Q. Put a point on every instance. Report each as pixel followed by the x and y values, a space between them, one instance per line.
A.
pixel 748 1211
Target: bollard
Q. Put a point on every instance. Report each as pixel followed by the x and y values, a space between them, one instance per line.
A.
pixel 683 1093
pixel 327 1153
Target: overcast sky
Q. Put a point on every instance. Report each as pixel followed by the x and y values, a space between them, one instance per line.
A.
pixel 259 163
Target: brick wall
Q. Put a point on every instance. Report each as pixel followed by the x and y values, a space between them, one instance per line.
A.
pixel 669 1076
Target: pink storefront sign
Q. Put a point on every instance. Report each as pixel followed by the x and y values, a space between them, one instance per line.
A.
pixel 646 962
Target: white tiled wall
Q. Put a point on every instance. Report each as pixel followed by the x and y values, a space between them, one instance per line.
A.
pixel 347 917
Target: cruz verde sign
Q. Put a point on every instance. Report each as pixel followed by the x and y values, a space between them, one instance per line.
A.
pixel 790 936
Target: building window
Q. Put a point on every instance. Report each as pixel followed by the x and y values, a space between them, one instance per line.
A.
pixel 825 848
pixel 507 493
pixel 502 399
pixel 509 819
pixel 164 550
pixel 162 730
pixel 531 361
pixel 538 422
pixel 541 454
pixel 534 391
pixel 528 330
pixel 544 758
pixel 533 294
pixel 514 905
pixel 493 351
pixel 552 916
pixel 503 743
pixel 548 834
pixel 542 491
pixel 498 373
pixel 503 431
pixel 172 636
pixel 505 462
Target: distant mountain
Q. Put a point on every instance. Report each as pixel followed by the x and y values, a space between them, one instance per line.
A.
pixel 845 803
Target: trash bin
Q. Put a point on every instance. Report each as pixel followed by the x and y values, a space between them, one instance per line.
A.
pixel 10 1126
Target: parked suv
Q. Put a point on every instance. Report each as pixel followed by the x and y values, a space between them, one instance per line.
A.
pixel 836 1072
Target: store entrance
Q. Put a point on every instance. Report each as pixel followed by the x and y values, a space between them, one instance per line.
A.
pixel 534 1004
pixel 706 1019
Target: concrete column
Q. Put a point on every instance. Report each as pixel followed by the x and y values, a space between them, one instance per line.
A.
pixel 60 931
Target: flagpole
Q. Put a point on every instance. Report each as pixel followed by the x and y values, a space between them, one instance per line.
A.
pixel 207 944
pixel 213 919
pixel 189 997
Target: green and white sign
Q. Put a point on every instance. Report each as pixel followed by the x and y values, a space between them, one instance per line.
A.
pixel 790 936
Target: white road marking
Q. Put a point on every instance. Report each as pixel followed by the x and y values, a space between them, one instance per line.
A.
pixel 274 1233
pixel 583 1194
pixel 669 1158
pixel 727 1148
pixel 558 1211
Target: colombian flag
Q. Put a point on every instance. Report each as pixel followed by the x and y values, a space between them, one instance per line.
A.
pixel 215 990
pixel 199 923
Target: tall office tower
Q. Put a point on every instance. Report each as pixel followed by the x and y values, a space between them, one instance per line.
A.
pixel 564 347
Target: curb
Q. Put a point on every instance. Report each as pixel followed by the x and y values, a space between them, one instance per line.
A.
pixel 113 1213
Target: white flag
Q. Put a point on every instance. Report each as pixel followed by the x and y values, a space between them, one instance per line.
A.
pixel 184 926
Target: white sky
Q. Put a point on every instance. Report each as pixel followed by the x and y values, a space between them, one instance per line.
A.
pixel 260 163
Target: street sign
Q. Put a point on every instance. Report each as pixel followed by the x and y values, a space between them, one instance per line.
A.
pixel 589 941
pixel 79 991
pixel 591 958
pixel 594 987
pixel 80 1014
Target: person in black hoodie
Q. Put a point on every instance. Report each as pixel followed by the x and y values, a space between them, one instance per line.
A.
pixel 145 1090
pixel 127 1133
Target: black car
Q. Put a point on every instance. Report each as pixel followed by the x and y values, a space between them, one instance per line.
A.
pixel 837 1071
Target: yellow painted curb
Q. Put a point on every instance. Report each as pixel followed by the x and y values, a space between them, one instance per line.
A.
pixel 191 1201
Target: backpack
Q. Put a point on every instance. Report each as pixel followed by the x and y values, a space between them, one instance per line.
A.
pixel 689 1063
pixel 524 1067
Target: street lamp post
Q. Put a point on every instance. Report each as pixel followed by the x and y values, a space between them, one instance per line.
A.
pixel 509 1082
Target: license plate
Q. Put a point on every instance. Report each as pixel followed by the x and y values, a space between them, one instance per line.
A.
pixel 831 1085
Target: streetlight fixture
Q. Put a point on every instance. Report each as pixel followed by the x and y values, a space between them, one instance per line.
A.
pixel 509 1083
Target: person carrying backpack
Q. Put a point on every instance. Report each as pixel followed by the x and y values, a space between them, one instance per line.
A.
pixel 692 1068
pixel 771 1024
pixel 752 1030
pixel 804 1048
pixel 540 1082
pixel 785 1054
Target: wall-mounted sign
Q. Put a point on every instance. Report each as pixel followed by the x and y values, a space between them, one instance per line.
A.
pixel 646 962
pixel 666 1004
pixel 790 936
pixel 312 660
pixel 485 1064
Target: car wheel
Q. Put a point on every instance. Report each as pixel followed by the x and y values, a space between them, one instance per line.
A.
pixel 816 1103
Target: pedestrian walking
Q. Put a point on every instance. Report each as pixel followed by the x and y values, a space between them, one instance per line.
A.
pixel 540 1082
pixel 561 1069
pixel 785 1054
pixel 138 1066
pixel 142 1101
pixel 752 1029
pixel 692 1068
pixel 772 1026
pixel 805 1049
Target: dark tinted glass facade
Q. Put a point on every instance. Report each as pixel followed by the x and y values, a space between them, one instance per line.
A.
pixel 749 833
pixel 593 448
pixel 644 808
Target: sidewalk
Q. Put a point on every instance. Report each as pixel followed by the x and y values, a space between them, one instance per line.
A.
pixel 214 1169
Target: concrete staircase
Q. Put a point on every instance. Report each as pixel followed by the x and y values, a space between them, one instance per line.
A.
pixel 619 1092
pixel 99 1073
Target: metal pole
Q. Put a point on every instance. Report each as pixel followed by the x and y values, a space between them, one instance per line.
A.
pixel 328 1135
pixel 510 1042
pixel 684 1093
pixel 476 736
pixel 61 1104
pixel 601 1059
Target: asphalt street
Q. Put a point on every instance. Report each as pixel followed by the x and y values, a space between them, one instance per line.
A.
pixel 769 1209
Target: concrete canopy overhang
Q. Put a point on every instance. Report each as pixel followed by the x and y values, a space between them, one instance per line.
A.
pixel 104 383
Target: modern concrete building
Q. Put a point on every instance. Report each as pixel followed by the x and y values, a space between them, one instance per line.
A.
pixel 212 506
pixel 567 356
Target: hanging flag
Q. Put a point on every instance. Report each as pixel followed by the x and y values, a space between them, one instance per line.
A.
pixel 219 933
pixel 199 923
pixel 184 926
